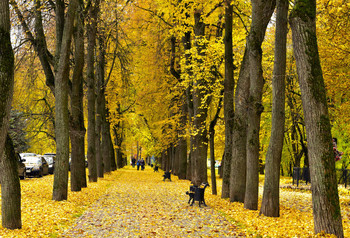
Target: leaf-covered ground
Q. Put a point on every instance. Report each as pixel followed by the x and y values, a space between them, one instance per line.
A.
pixel 131 203
pixel 140 204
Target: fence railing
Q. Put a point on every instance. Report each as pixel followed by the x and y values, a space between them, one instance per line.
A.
pixel 303 174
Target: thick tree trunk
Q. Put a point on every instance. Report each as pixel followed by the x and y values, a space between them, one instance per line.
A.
pixel 6 72
pixel 10 186
pixel 229 85
pixel 270 201
pixel 60 185
pixel 91 35
pixel 325 198
pixel 261 14
pixel 239 134
pixel 77 128
pixel 200 112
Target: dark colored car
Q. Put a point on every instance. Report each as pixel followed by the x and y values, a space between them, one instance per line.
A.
pixel 36 166
pixel 21 167
pixel 51 159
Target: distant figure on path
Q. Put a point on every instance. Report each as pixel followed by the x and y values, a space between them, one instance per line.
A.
pixel 138 164
pixel 133 161
pixel 142 163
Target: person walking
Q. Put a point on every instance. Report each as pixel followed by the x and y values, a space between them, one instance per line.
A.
pixel 142 163
pixel 138 164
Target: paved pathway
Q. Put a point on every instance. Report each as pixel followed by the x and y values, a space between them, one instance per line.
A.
pixel 140 204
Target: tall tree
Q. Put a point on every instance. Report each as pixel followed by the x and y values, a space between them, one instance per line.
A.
pixel 325 198
pixel 77 129
pixel 261 14
pixel 270 201
pixel 229 85
pixel 91 34
pixel 60 186
pixel 10 186
pixel 200 106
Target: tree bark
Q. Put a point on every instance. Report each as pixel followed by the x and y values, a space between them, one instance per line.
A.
pixel 261 15
pixel 10 188
pixel 270 200
pixel 229 85
pixel 99 107
pixel 186 41
pixel 91 34
pixel 239 134
pixel 60 185
pixel 77 128
pixel 10 185
pixel 182 143
pixel 200 112
pixel 325 198
pixel 212 148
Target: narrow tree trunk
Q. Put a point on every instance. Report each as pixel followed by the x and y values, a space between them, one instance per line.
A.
pixel 325 198
pixel 99 109
pixel 77 128
pixel 106 148
pixel 91 35
pixel 10 187
pixel 229 85
pixel 182 144
pixel 186 41
pixel 212 149
pixel 270 202
pixel 261 14
pixel 60 185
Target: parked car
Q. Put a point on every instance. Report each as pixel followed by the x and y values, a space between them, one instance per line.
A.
pixel 21 167
pixel 36 166
pixel 51 159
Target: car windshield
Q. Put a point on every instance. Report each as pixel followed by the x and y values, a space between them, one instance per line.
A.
pixel 49 159
pixel 33 160
pixel 27 154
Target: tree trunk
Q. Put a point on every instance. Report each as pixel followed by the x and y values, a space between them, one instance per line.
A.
pixel 261 14
pixel 182 144
pixel 77 128
pixel 200 112
pixel 106 148
pixel 270 201
pixel 325 198
pixel 91 35
pixel 60 185
pixel 10 187
pixel 229 85
pixel 239 134
pixel 99 109
pixel 212 150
